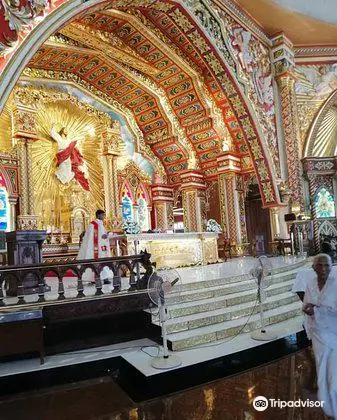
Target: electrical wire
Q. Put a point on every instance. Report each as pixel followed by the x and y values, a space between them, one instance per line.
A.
pixel 157 347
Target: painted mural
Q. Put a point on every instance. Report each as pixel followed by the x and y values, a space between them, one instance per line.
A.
pixel 314 84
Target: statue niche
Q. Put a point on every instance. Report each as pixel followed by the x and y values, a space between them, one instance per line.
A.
pixel 79 222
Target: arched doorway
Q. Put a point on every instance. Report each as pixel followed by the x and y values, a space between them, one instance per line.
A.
pixel 257 221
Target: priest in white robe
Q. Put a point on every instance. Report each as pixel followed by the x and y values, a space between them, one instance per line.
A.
pixel 95 245
pixel 320 305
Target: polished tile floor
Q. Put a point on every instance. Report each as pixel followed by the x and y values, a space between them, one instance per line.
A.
pixel 225 399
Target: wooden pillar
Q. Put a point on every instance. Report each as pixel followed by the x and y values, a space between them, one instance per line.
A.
pixel 162 198
pixel 193 196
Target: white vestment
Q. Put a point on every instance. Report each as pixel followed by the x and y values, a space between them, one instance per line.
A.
pixel 64 172
pixel 322 330
pixel 87 251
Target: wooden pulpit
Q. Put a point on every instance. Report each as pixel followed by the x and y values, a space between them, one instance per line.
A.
pixel 24 247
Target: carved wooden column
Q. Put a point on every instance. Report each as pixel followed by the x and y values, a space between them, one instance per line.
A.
pixel 193 197
pixel 162 198
pixel 25 133
pixel 232 198
pixel 284 65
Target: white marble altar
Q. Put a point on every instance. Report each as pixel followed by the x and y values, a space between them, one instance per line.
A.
pixel 176 249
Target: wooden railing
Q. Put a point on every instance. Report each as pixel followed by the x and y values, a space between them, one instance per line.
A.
pixel 15 281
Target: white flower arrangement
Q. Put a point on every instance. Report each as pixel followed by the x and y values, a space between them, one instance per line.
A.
pixel 130 227
pixel 213 226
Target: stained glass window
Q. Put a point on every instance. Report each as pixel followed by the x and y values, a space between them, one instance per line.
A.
pixel 143 216
pixel 324 203
pixel 4 206
pixel 127 207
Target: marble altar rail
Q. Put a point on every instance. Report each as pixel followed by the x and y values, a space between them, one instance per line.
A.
pixel 26 284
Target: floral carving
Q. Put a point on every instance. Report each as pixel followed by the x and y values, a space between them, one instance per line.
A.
pixel 19 16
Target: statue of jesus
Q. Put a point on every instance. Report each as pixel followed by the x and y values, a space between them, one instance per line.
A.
pixel 70 162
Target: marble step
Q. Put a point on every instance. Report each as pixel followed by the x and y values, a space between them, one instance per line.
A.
pixel 213 291
pixel 227 329
pixel 225 300
pixel 290 272
pixel 215 316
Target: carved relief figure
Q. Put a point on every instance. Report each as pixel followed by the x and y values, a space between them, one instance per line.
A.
pixel 70 162
pixel 316 81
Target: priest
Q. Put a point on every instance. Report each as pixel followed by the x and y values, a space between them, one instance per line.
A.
pixel 95 245
pixel 320 305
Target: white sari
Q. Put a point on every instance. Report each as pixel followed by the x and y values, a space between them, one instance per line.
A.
pixel 322 329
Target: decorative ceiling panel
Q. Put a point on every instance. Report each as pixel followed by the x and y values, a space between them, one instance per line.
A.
pixel 180 69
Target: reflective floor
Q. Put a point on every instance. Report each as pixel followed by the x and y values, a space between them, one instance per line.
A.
pixel 226 399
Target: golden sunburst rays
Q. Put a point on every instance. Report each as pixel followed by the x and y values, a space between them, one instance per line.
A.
pixel 54 199
pixel 6 142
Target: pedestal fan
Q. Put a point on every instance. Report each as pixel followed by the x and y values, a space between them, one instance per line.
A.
pixel 161 285
pixel 261 273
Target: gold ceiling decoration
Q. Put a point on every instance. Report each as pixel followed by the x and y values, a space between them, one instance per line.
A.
pixel 73 79
pixel 6 142
pixel 165 106
pixel 326 139
pixel 109 45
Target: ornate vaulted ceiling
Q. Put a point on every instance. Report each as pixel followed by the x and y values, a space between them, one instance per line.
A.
pixel 151 61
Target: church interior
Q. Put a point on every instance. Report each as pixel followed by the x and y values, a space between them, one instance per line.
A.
pixel 207 133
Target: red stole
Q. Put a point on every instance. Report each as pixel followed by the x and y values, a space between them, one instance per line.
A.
pixel 96 242
pixel 95 224
pixel 76 161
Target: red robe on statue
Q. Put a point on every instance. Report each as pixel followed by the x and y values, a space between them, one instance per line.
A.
pixel 76 161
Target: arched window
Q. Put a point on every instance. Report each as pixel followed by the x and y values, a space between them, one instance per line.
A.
pixel 324 203
pixel 4 206
pixel 127 208
pixel 142 209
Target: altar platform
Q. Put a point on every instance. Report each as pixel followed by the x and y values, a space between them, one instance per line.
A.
pixel 174 249
pixel 210 319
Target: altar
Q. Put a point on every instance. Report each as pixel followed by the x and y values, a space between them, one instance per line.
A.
pixel 175 249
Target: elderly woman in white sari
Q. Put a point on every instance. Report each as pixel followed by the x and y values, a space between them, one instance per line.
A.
pixel 320 304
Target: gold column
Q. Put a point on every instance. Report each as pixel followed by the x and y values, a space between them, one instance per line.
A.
pixel 23 179
pixel 284 65
pixel 162 198
pixel 25 133
pixel 193 197
pixel 115 191
pixel 30 186
pixel 112 145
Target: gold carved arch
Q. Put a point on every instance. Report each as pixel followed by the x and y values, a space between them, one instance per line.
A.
pixel 237 102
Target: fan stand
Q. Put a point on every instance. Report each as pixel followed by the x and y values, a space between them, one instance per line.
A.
pixel 167 361
pixel 262 334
